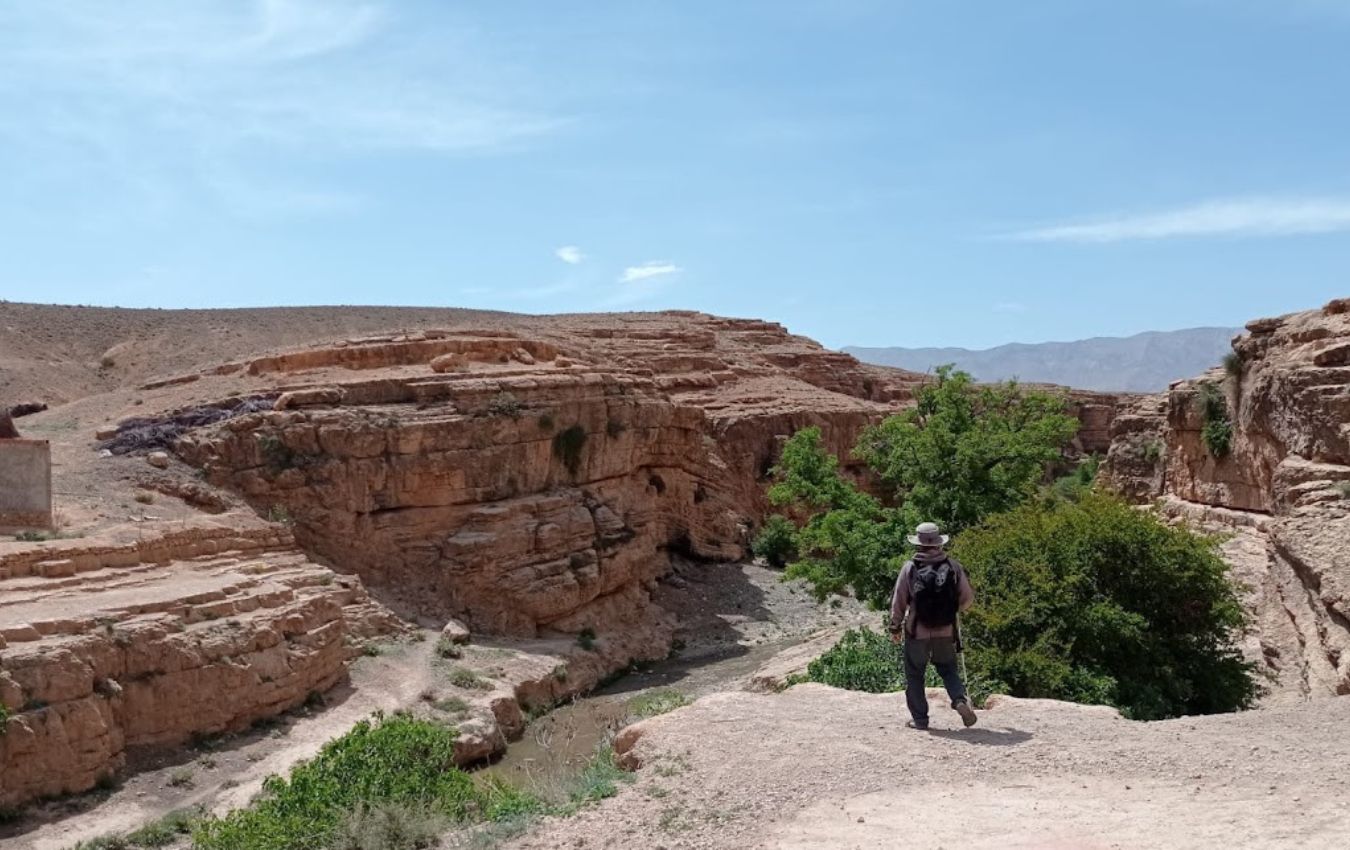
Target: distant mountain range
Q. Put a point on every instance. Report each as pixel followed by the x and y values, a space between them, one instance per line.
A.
pixel 1145 362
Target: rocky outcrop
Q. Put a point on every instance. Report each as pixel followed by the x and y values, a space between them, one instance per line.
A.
pixel 1278 488
pixel 109 647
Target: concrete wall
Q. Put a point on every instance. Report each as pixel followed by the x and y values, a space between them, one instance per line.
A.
pixel 25 484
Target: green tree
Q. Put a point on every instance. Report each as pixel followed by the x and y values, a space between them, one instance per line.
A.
pixel 1095 601
pixel 849 540
pixel 965 450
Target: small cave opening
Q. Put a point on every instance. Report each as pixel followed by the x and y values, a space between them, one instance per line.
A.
pixel 658 484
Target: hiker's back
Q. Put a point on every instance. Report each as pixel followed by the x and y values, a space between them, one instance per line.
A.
pixel 935 593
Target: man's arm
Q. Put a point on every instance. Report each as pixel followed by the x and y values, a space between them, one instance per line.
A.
pixel 899 602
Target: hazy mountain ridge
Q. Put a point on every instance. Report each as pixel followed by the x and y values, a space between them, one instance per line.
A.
pixel 1145 362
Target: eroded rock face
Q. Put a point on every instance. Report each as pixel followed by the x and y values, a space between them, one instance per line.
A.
pixel 200 631
pixel 1281 486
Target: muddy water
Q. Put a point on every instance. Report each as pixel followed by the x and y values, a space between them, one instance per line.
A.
pixel 558 745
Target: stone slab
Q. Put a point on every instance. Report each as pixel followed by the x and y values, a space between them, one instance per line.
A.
pixel 25 485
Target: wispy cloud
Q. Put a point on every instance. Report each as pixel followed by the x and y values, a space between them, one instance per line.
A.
pixel 648 270
pixel 165 92
pixel 570 254
pixel 1238 217
pixel 1010 307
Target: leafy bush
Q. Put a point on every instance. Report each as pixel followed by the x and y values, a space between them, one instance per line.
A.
pixel 1234 364
pixel 394 761
pixel 863 660
pixel 447 648
pixel 1342 487
pixel 1095 601
pixel 567 446
pixel 1217 428
pixel 775 541
pixel 1073 486
pixel 657 702
pixel 600 778
pixel 4 718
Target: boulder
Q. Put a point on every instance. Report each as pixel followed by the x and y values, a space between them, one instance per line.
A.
pixel 159 460
pixel 455 632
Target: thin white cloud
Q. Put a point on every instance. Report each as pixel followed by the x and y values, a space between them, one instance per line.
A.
pixel 1238 217
pixel 1011 307
pixel 648 270
pixel 570 254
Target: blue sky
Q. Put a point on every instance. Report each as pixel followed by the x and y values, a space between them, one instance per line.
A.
pixel 866 172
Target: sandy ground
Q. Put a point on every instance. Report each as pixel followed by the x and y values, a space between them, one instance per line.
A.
pixel 815 767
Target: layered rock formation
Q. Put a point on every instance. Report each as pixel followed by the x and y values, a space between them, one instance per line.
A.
pixel 536 486
pixel 108 647
pixel 1280 487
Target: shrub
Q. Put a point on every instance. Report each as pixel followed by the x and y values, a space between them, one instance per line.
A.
pixel 1073 486
pixel 586 639
pixel 600 779
pixel 463 677
pixel 567 446
pixel 397 772
pixel 1234 364
pixel 276 454
pixel 505 404
pixel 390 826
pixel 167 830
pixel 446 648
pixel 775 541
pixel 1153 450
pixel 657 702
pixel 862 660
pixel 182 778
pixel 1095 601
pixel 4 718
pixel 1342 487
pixel 1216 428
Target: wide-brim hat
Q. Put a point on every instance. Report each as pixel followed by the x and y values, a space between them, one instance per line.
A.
pixel 928 534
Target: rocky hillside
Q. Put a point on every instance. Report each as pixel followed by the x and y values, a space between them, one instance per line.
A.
pixel 1278 485
pixel 1145 362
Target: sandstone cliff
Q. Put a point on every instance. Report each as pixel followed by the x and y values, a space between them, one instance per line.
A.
pixel 1280 490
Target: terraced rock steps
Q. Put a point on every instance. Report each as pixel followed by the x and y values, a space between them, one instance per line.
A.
pixel 110 647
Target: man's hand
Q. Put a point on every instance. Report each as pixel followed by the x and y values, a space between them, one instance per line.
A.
pixel 895 637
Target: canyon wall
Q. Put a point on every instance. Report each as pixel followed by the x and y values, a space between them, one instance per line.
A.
pixel 1279 490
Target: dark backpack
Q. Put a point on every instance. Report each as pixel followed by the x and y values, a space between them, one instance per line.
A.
pixel 935 593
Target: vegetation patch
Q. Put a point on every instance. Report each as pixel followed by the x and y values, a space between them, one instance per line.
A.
pixel 1234 364
pixel 1080 596
pixel 505 404
pixel 392 778
pixel 447 648
pixel 862 660
pixel 774 543
pixel 567 446
pixel 586 639
pixel 463 677
pixel 1342 487
pixel 657 702
pixel 1216 430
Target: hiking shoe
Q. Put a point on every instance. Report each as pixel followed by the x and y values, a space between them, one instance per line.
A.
pixel 914 724
pixel 967 713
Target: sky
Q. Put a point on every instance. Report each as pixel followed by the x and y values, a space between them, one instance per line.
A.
pixel 869 172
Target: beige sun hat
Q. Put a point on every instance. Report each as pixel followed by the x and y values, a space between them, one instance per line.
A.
pixel 928 534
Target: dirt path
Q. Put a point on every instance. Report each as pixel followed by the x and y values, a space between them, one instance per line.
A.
pixel 228 773
pixel 816 768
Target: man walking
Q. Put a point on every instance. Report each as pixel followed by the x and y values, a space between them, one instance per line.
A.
pixel 932 589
